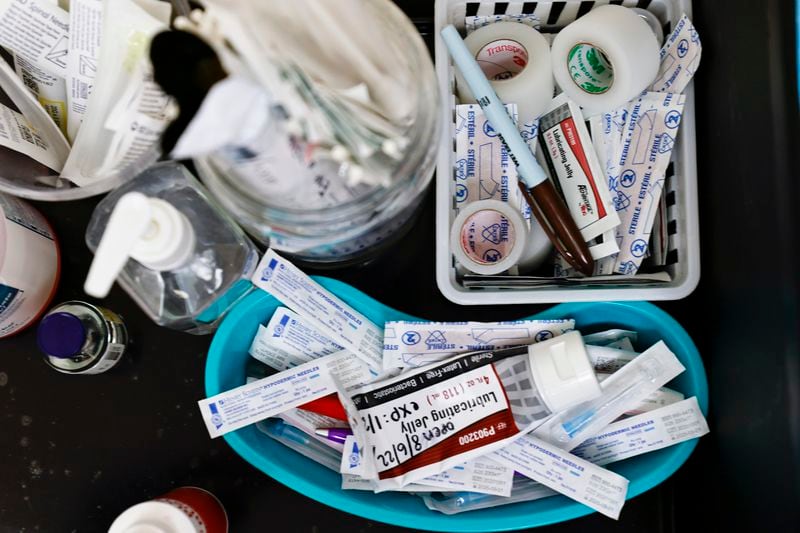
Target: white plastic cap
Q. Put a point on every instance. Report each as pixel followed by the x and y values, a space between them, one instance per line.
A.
pixel 153 517
pixel 563 372
pixel 149 230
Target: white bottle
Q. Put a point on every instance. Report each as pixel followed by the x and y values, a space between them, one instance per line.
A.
pixel 177 254
pixel 29 265
pixel 181 510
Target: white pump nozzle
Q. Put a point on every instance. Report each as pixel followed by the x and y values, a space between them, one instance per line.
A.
pixel 149 230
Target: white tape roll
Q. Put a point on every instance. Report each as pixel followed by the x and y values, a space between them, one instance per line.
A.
pixel 652 21
pixel 488 237
pixel 605 58
pixel 516 60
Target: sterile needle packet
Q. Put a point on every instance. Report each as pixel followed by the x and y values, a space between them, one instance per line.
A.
pixel 607 360
pixel 31 131
pixel 321 308
pixel 480 475
pixel 623 391
pixel 289 340
pixel 659 398
pixel 86 29
pixel 647 432
pixel 272 395
pixel 37 30
pixel 634 436
pixel 601 489
pixel 409 344
pixel 354 482
pixel 18 134
pixel 292 333
pixel 49 90
pixel 605 338
pixel 264 349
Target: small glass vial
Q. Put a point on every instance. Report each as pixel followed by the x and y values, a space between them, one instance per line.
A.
pixel 80 338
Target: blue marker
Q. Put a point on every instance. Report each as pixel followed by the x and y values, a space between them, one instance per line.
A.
pixel 537 190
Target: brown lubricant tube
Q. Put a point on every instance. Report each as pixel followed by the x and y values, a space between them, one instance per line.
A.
pixel 553 216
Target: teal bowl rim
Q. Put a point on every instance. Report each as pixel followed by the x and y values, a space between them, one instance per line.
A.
pixel 435 521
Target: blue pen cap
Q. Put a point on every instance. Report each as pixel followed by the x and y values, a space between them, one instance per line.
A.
pixel 61 335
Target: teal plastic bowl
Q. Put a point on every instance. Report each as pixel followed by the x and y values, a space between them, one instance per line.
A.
pixel 225 369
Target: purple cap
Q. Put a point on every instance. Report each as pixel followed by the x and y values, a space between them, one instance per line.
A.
pixel 61 335
pixel 335 434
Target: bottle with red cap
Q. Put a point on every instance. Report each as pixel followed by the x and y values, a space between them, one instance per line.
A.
pixel 182 510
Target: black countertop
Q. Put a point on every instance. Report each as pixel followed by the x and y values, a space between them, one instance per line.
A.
pixel 77 451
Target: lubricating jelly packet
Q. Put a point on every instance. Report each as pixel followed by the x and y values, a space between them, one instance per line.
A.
pixel 436 417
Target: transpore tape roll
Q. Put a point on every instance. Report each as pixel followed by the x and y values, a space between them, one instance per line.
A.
pixel 516 60
pixel 605 58
pixel 488 237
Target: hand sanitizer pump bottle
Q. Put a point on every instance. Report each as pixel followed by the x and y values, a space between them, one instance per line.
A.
pixel 172 248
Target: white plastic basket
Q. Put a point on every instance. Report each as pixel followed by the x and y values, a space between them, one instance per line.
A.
pixel 684 240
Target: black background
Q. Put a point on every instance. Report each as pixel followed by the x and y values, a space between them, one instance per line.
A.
pixel 76 451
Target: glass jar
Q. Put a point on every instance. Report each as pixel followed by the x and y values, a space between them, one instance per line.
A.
pixel 370 218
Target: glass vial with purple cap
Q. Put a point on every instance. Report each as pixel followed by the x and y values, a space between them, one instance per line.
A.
pixel 80 338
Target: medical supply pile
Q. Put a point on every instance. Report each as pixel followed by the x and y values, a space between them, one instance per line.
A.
pixel 605 140
pixel 465 415
pixel 81 99
pixel 556 165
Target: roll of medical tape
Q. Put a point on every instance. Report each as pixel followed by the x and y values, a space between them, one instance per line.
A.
pixel 488 237
pixel 652 21
pixel 516 60
pixel 605 58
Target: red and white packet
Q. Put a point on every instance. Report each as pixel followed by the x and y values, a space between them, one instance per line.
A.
pixel 433 418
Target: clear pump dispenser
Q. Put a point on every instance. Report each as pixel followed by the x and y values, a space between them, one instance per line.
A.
pixel 171 248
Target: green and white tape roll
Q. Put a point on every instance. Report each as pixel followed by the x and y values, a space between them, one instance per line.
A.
pixel 605 58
